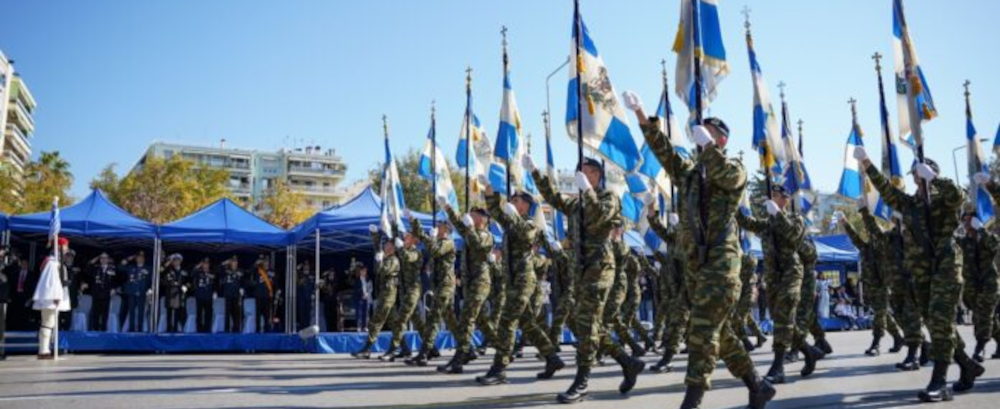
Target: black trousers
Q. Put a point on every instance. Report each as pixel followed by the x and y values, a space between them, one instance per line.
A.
pixel 263 315
pixel 3 328
pixel 203 315
pixel 331 311
pixel 99 314
pixel 234 315
pixel 175 319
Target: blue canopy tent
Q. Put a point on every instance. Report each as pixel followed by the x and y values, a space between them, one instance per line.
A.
pixel 831 249
pixel 93 217
pixel 224 223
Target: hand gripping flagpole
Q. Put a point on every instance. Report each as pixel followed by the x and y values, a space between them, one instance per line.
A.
pixel 578 28
pixel 702 173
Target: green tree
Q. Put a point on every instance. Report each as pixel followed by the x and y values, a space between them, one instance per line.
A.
pixel 164 190
pixel 284 207
pixel 10 186
pixel 44 179
pixel 417 190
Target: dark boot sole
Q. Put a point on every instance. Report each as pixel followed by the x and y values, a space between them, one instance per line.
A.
pixel 562 398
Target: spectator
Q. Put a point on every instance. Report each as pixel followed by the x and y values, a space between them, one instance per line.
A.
pixel 20 299
pixel 362 296
pixel 328 295
pixel 846 313
pixel 823 291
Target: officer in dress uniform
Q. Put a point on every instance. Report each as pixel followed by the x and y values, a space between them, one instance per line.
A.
pixel 203 280
pixel 102 288
pixel 174 288
pixel 136 274
pixel 232 291
pixel 262 283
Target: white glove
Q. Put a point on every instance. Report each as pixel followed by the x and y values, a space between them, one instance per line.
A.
pixel 582 183
pixel 214 295
pixel 772 207
pixel 632 101
pixel 663 247
pixel 925 172
pixel 149 292
pixel 434 232
pixel 528 163
pixel 378 257
pixel 467 220
pixel 398 242
pixel 113 292
pixel 701 136
pixel 241 292
pixel 491 258
pixel 184 289
pixel 657 265
pixel 860 154
pixel 839 215
pixel 976 223
pixel 373 228
pixel 511 210
pixel 673 219
pixel 981 178
pixel 442 202
pixel 556 246
pixel 483 180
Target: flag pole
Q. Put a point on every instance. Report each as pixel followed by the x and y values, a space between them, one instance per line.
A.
pixel 578 28
pixel 468 133
pixel 669 129
pixel 434 171
pixel 702 173
pixel 56 257
pixel 385 166
pixel 784 127
pixel 510 188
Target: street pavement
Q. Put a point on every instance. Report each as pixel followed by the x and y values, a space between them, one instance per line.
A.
pixel 847 378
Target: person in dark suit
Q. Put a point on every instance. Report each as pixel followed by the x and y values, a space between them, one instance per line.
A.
pixel 203 281
pixel 102 284
pixel 23 283
pixel 232 291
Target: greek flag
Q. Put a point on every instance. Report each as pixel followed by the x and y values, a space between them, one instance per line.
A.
pixel 651 167
pixel 977 163
pixel 631 193
pixel 913 96
pixel 509 146
pixel 699 33
pixel 890 155
pixel 605 127
pixel 479 154
pixel 442 178
pixel 55 224
pixel 796 176
pixel 391 195
pixel 559 226
pixel 550 163
pixel 850 180
pixel 766 139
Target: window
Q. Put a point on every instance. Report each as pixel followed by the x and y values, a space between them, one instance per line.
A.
pixel 168 154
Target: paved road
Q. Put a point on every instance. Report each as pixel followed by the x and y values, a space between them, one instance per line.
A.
pixel 847 379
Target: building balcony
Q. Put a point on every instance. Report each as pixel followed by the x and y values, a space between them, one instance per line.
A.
pixel 15 161
pixel 18 140
pixel 317 190
pixel 23 116
pixel 315 171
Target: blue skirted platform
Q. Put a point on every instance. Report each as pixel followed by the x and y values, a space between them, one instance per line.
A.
pixel 75 341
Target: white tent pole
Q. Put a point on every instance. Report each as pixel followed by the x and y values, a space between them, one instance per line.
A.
pixel 316 271
pixel 154 323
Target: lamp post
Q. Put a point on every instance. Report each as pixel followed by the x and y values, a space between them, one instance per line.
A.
pixel 954 159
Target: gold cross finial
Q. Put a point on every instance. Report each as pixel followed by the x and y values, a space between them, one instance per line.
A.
pixel 746 17
pixel 966 84
pixel 503 33
pixel 468 78
pixel 781 87
pixel 878 61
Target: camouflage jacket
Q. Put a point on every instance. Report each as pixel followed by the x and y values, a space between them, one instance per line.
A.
pixel 724 182
pixel 387 272
pixel 600 209
pixel 978 268
pixel 442 251
pixel 780 238
pixel 748 278
pixel 871 268
pixel 808 255
pixel 520 236
pixel 563 279
pixel 410 262
pixel 621 253
pixel 478 244
pixel 498 277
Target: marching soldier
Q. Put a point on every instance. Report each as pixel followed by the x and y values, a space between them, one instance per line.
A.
pixel 441 249
pixel 173 282
pixel 536 301
pixel 806 320
pixel 564 282
pixel 781 234
pixel 635 267
pixel 872 280
pixel 473 227
pixel 981 286
pixel 497 298
pixel 679 283
pixel 410 262
pixel 203 280
pixel 232 291
pixel 596 268
pixel 748 280
pixel 612 319
pixel 137 280
pixel 929 216
pixel 711 186
pixel 387 278
pixel 521 234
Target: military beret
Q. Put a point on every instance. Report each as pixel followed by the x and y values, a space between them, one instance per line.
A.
pixel 718 124
pixel 524 196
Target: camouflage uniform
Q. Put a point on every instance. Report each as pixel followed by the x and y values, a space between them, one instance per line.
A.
pixel 442 251
pixel 713 259
pixel 498 294
pixel 806 320
pixel 780 237
pixel 410 292
pixel 387 277
pixel 564 283
pixel 980 275
pixel 520 235
pixel 612 317
pixel 875 289
pixel 678 282
pixel 664 294
pixel 934 258
pixel 475 284
pixel 542 265
pixel 630 310
pixel 748 278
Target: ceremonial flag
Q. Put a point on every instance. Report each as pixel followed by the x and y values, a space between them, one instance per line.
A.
pixel 699 34
pixel 850 180
pixel 55 223
pixel 913 96
pixel 977 163
pixel 550 163
pixel 890 155
pixel 510 147
pixel 766 139
pixel 480 153
pixel 442 178
pixel 796 177
pixel 391 195
pixel 651 167
pixel 628 191
pixel 559 226
pixel 604 123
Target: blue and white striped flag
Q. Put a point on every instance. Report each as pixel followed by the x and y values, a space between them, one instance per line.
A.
pixel 479 153
pixel 890 154
pixel 442 179
pixel 605 125
pixel 796 176
pixel 977 163
pixel 850 180
pixel 392 195
pixel 766 139
pixel 55 223
pixel 699 33
pixel 651 167
pixel 510 145
pixel 630 193
pixel 913 96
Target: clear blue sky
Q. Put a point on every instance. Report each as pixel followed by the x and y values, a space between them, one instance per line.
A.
pixel 112 76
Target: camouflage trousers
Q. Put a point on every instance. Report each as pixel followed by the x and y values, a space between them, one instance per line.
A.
pixel 612 318
pixel 630 317
pixel 407 307
pixel 783 293
pixel 662 314
pixel 497 304
pixel 743 320
pixel 806 321
pixel 677 322
pixel 475 294
pixel 519 311
pixel 937 294
pixel 442 311
pixel 593 291
pixel 882 322
pixel 716 289
pixel 383 309
pixel 561 317
pixel 906 314
pixel 983 305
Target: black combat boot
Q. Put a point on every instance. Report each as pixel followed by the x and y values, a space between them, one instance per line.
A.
pixel 776 374
pixel 897 343
pixel 454 366
pixel 792 356
pixel 637 350
pixel 996 352
pixel 910 363
pixel 404 352
pixel 761 392
pixel 631 368
pixel 650 345
pixel 419 360
pixel 664 364
pixel 824 346
pixel 692 397
pixel 811 355
pixel 970 371
pixel 980 353
pixel 577 392
pixel 365 352
pixel 747 345
pixel 761 340
pixel 552 364
pixel 388 356
pixel 874 349
pixel 937 390
pixel 495 376
pixel 925 353
pixel 433 353
pixel 481 350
